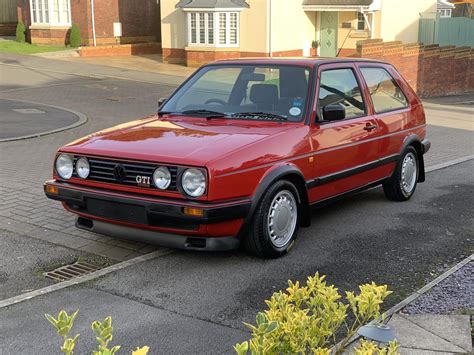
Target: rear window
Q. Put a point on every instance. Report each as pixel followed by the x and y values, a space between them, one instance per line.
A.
pixel 385 93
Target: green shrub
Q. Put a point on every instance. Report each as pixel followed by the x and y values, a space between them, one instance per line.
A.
pixel 305 319
pixel 75 39
pixel 20 32
pixel 103 331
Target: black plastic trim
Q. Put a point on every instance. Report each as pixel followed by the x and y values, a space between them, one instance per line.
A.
pixel 426 145
pixel 349 172
pixel 77 200
pixel 263 186
pixel 158 238
pixel 329 200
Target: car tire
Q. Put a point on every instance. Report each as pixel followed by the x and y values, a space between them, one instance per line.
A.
pixel 401 186
pixel 275 222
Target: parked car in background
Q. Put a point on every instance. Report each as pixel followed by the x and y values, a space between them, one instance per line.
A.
pixel 240 152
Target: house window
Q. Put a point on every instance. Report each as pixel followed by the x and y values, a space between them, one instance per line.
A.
pixel 444 12
pixel 219 29
pixel 360 21
pixel 50 12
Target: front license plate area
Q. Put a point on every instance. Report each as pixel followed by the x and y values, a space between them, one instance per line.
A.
pixel 118 211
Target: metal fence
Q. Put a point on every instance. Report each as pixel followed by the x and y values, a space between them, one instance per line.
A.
pixel 456 31
pixel 8 11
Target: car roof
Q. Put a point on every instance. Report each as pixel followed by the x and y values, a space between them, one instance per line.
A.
pixel 302 61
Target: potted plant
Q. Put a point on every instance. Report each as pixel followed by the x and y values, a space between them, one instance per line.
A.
pixel 314 48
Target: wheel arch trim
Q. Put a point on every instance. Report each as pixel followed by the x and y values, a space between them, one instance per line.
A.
pixel 415 141
pixel 295 176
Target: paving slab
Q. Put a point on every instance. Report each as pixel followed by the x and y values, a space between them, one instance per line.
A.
pixel 407 351
pixel 412 336
pixel 455 329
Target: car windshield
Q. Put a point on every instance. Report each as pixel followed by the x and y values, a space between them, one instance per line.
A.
pixel 257 92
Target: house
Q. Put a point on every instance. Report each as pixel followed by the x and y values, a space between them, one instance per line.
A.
pixel 462 8
pixel 199 31
pixel 444 8
pixel 8 17
pixel 100 21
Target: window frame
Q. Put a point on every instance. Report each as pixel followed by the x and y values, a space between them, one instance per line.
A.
pixel 359 21
pixel 216 29
pixel 312 78
pixel 394 81
pixel 320 120
pixel 34 11
pixel 445 13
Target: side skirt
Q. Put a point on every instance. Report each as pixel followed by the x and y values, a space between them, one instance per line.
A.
pixel 329 200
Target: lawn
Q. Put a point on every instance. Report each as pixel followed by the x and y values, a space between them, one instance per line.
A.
pixel 26 48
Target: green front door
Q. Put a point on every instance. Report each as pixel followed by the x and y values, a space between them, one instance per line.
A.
pixel 328 34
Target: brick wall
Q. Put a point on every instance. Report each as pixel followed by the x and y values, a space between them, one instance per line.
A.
pixel 196 58
pixel 430 70
pixel 140 22
pixel 7 29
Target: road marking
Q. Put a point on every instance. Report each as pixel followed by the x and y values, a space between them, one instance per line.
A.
pixel 124 264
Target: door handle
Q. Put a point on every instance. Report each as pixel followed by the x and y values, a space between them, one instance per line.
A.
pixel 370 127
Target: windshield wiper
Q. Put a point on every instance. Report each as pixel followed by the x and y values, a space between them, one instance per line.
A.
pixel 260 116
pixel 205 113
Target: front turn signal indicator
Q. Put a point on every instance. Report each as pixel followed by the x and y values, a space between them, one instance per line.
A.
pixel 194 212
pixel 50 189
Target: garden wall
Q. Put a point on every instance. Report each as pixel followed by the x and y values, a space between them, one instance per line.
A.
pixel 430 70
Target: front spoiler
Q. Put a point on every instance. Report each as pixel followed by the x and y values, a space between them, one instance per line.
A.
pixel 158 238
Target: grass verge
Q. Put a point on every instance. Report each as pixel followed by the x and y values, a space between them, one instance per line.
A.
pixel 9 46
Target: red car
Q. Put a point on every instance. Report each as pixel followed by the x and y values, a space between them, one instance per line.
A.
pixel 242 149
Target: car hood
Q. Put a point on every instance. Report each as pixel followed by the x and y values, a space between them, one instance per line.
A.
pixel 177 140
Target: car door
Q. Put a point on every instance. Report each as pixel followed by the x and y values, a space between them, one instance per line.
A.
pixel 345 152
pixel 391 109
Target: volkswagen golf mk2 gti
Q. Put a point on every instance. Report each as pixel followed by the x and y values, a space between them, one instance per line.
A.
pixel 242 150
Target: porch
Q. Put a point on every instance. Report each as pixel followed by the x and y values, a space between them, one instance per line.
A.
pixel 340 24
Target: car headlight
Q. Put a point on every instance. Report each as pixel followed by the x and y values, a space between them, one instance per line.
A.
pixel 193 182
pixel 162 177
pixel 64 166
pixel 82 168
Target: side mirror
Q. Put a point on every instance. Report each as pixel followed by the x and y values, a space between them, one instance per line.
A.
pixel 334 112
pixel 161 101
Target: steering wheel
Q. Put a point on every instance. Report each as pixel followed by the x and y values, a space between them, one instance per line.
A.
pixel 217 101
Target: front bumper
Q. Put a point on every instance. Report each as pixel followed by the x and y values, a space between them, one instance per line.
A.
pixel 143 217
pixel 426 145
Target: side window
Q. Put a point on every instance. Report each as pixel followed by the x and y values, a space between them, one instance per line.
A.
pixel 384 91
pixel 341 86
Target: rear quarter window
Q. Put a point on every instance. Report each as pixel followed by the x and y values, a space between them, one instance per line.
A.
pixel 385 93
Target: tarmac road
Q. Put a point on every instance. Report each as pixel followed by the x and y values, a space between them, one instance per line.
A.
pixel 192 302
pixel 188 302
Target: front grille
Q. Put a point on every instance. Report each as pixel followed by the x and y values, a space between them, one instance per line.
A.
pixel 103 170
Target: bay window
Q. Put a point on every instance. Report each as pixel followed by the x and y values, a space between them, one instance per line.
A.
pixel 50 12
pixel 213 29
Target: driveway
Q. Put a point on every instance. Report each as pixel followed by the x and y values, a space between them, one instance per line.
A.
pixel 192 302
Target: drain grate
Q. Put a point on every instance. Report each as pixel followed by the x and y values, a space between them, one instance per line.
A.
pixel 68 272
